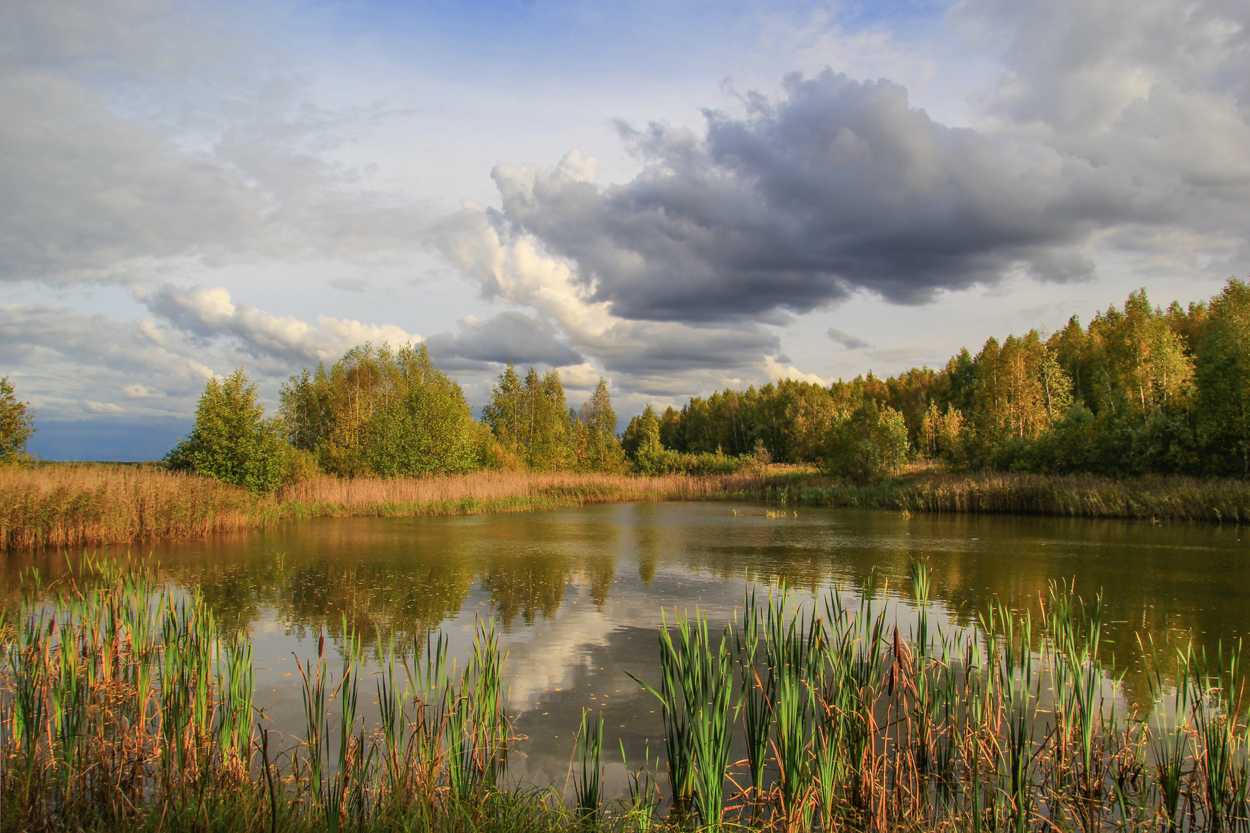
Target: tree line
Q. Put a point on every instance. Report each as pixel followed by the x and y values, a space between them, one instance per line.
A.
pixel 389 412
pixel 1139 390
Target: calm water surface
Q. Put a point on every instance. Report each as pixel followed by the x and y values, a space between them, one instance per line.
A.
pixel 578 593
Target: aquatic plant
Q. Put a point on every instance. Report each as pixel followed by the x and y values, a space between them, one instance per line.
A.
pixel 124 705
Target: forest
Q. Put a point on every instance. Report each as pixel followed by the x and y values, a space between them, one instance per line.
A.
pixel 1140 390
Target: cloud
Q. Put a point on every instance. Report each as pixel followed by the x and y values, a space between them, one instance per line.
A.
pixel 91 342
pixel 652 355
pixel 1086 69
pixel 508 336
pixel 1155 94
pixel 212 314
pixel 847 340
pixel 140 136
pixel 71 363
pixel 839 185
pixel 584 376
pixel 779 370
pixel 138 391
pixel 358 285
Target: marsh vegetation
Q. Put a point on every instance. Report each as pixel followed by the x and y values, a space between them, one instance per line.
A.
pixel 125 705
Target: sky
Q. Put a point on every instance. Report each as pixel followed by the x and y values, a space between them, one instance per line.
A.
pixel 675 196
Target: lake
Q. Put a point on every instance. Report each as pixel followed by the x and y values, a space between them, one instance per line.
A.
pixel 577 594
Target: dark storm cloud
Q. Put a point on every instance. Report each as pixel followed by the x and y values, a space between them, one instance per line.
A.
pixel 676 350
pixel 837 186
pixel 508 336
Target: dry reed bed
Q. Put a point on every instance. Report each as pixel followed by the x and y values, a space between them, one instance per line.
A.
pixel 498 491
pixel 1162 498
pixel 74 506
pixel 67 506
pixel 1145 498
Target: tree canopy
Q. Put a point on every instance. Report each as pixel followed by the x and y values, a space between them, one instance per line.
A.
pixel 16 423
pixel 1139 390
pixel 532 422
pixel 380 411
pixel 232 441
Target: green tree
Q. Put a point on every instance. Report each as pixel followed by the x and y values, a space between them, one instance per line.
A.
pixel 382 411
pixel 670 429
pixel 232 441
pixel 16 423
pixel 867 444
pixel 305 409
pixel 506 413
pixel 421 423
pixel 649 455
pixel 1224 381
pixel 594 434
pixel 548 446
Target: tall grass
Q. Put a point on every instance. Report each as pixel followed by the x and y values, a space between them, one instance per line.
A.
pixel 66 506
pixel 852 723
pixel 1079 496
pixel 496 491
pixel 123 706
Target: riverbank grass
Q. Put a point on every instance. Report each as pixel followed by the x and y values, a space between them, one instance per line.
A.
pixel 89 505
pixel 1152 498
pixel 74 506
pixel 126 708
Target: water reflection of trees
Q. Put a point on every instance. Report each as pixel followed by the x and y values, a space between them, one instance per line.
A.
pixel 411 579
pixel 1157 597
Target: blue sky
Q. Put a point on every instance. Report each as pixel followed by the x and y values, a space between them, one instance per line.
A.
pixel 676 196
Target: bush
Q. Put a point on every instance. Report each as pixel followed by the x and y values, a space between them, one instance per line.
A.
pixel 298 465
pixel 657 461
pixel 232 441
pixel 491 454
pixel 1083 442
pixel 866 445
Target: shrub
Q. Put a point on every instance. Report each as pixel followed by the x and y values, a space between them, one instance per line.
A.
pixel 867 444
pixel 298 465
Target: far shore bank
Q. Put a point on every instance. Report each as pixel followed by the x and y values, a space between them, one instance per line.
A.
pixel 84 505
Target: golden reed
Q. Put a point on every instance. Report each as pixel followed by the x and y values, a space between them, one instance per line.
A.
pixel 65 506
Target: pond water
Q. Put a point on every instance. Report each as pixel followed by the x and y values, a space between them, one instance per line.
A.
pixel 577 594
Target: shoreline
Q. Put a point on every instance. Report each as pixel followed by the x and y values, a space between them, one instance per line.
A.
pixel 70 505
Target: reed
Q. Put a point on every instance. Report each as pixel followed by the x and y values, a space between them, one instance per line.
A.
pixel 124 706
pixel 68 506
pixel 87 505
pixel 588 788
pixel 1079 496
